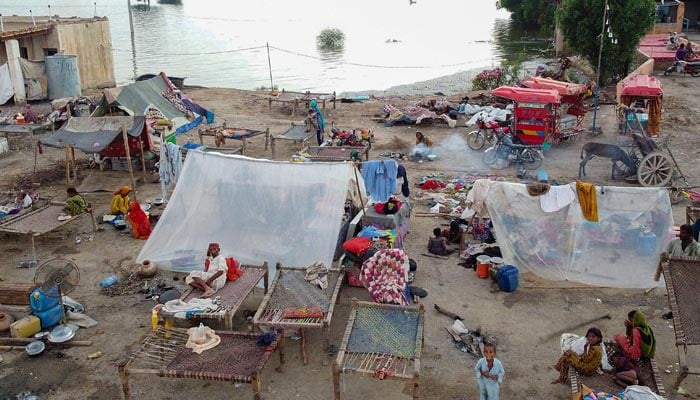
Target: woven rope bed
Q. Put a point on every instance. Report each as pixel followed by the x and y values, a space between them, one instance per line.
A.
pixel 290 290
pixel 295 133
pixel 236 359
pixel 382 341
pixel 232 294
pixel 335 153
pixel 682 282
pixel 241 134
pixel 40 221
pixel 648 376
pixel 298 97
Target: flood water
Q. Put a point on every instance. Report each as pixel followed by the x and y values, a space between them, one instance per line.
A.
pixel 224 43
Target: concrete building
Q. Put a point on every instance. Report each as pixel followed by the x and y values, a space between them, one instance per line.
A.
pixel 34 38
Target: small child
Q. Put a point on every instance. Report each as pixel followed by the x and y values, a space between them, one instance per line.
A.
pixel 489 373
pixel 438 245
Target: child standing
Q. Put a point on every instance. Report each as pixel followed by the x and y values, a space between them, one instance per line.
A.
pixel 489 373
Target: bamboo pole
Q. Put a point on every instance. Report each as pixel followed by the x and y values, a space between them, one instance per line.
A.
pixel 359 190
pixel 128 160
pixel 67 169
pixel 75 166
pixel 36 151
pixel 143 159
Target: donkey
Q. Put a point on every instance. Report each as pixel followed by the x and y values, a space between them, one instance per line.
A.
pixel 611 151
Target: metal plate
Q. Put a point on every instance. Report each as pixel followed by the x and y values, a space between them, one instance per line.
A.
pixel 35 347
pixel 60 334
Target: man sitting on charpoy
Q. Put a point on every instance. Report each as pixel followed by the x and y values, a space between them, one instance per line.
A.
pixel 215 277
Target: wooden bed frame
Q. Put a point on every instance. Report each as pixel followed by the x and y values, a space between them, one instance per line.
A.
pixel 213 132
pixel 294 128
pixel 262 316
pixel 366 364
pixel 301 97
pixel 243 285
pixel 158 354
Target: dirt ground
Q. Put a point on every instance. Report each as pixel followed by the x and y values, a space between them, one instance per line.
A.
pixel 522 320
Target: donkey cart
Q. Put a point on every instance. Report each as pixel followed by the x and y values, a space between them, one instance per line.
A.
pixel 656 167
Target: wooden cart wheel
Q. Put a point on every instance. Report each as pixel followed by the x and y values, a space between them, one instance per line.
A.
pixel 655 170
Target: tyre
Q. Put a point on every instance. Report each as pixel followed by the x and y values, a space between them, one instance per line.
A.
pixel 695 72
pixel 476 140
pixel 490 156
pixel 531 159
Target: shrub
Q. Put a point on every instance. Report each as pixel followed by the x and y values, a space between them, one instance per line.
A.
pixel 330 39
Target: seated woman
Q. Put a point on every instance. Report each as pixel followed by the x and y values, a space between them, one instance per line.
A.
pixel 140 224
pixel 625 371
pixel 420 138
pixel 214 278
pixel 638 340
pixel 75 204
pixel 438 244
pixel 587 363
pixel 120 201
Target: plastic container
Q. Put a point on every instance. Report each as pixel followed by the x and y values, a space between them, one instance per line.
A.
pixel 154 319
pixel 483 263
pixel 199 335
pixel 50 317
pixel 508 278
pixel 25 327
pixel 496 263
pixel 646 244
pixel 5 321
pixel 109 281
pixel 41 301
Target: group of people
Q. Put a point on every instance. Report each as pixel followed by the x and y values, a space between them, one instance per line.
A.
pixel 637 343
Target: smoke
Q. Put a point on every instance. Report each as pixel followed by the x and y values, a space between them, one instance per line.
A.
pixel 454 154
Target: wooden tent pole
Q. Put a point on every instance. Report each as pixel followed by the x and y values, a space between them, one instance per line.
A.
pixel 36 151
pixel 75 166
pixel 67 168
pixel 143 160
pixel 128 160
pixel 359 190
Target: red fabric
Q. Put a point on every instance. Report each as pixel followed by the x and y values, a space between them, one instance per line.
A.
pixel 357 245
pixel 302 312
pixel 140 225
pixel 630 350
pixel 432 184
pixel 379 207
pixel 233 272
pixel 354 280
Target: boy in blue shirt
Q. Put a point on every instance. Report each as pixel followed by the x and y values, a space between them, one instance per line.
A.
pixel 489 373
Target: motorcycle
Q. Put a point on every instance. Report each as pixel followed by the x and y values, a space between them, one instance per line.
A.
pixel 688 67
pixel 486 133
pixel 528 156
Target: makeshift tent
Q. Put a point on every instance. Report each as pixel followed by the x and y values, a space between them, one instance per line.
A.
pixel 620 250
pixel 6 89
pixel 35 80
pixel 102 135
pixel 143 97
pixel 257 210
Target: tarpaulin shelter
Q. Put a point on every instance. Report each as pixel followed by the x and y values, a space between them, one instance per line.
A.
pixel 102 135
pixel 143 97
pixel 257 210
pixel 620 250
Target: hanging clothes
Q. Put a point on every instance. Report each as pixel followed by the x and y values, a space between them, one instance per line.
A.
pixel 401 173
pixel 170 166
pixel 557 198
pixel 587 199
pixel 380 179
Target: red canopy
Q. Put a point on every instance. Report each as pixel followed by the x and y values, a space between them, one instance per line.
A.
pixel 564 88
pixel 527 95
pixel 642 86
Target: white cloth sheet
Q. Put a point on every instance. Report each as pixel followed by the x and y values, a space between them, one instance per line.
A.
pixel 557 198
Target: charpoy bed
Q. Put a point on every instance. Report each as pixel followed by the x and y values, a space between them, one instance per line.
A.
pixel 236 359
pixel 382 341
pixel 290 290
pixel 241 134
pixel 648 376
pixel 40 221
pixel 335 153
pixel 232 294
pixel 298 97
pixel 295 133
pixel 682 282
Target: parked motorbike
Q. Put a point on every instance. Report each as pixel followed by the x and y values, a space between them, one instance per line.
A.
pixel 688 67
pixel 486 133
pixel 504 149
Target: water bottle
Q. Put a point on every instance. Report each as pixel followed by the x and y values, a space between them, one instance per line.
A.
pixel 109 281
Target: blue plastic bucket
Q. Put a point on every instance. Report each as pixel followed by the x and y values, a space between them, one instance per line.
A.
pixel 508 278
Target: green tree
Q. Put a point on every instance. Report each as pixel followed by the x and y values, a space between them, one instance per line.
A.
pixel 581 23
pixel 538 13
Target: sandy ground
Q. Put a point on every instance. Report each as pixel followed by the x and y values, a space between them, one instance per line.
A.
pixel 522 321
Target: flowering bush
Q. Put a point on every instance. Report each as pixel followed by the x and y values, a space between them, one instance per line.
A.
pixel 488 79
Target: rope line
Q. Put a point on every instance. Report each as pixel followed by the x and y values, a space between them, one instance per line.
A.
pixel 473 62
